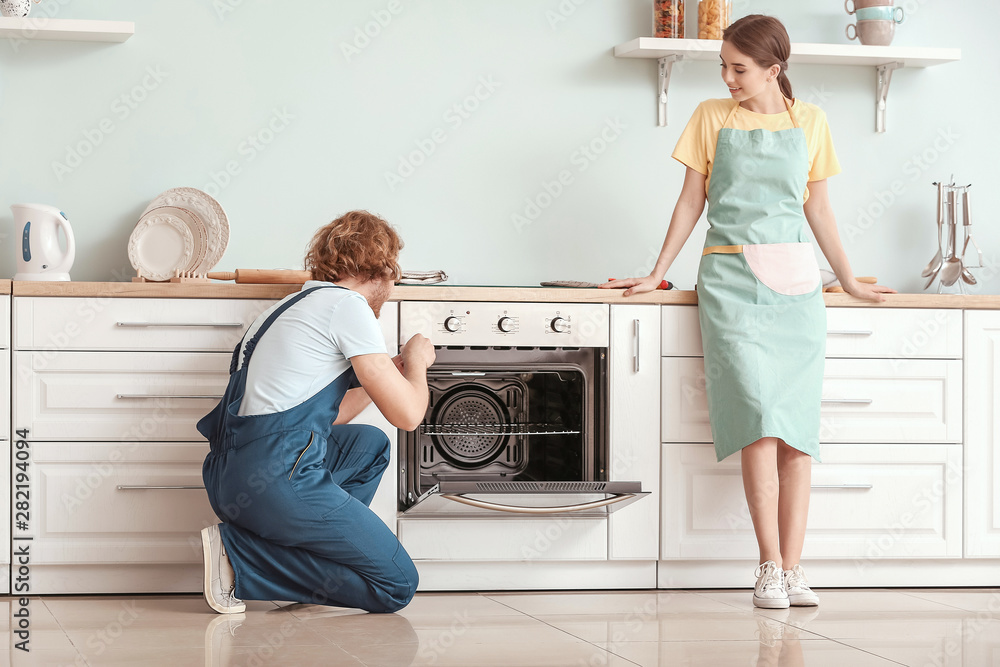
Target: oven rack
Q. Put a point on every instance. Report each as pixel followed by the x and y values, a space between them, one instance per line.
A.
pixel 522 428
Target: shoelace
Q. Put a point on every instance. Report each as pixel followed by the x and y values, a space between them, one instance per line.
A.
pixel 232 597
pixel 772 575
pixel 796 578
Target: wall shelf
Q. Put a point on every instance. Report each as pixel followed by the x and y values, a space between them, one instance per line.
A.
pixel 65 29
pixel 885 59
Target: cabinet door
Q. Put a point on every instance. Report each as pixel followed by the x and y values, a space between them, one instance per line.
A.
pixel 116 395
pixel 864 400
pixel 184 325
pixel 117 503
pixel 634 372
pixel 868 502
pixel 982 434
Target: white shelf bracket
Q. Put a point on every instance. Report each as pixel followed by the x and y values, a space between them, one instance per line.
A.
pixel 665 69
pixel 883 77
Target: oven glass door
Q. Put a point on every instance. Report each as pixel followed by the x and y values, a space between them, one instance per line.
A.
pixel 450 499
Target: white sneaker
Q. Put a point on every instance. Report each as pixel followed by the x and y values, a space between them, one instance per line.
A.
pixel 220 580
pixel 799 594
pixel 769 593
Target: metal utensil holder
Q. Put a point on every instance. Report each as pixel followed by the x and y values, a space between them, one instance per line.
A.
pixel 948 217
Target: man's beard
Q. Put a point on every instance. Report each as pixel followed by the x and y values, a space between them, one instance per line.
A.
pixel 379 296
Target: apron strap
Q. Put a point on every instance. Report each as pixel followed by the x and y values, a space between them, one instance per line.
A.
pixel 788 107
pixel 248 352
pixel 722 250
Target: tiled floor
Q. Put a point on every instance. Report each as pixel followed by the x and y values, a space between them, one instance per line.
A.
pixel 920 627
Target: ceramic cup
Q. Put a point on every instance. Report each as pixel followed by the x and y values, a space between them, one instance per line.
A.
pixel 873 33
pixel 863 4
pixel 15 8
pixel 880 14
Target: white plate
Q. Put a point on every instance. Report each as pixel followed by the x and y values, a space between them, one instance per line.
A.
pixel 198 231
pixel 211 214
pixel 160 244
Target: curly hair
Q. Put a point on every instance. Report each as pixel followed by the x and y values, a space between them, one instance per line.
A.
pixel 358 244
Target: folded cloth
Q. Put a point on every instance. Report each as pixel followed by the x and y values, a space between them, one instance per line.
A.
pixel 423 277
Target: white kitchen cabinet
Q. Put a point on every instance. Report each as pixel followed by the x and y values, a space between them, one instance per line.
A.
pixel 64 395
pixel 864 400
pixel 868 502
pixel 110 391
pixel 183 325
pixel 102 507
pixel 634 426
pixel 5 442
pixel 871 333
pixel 982 432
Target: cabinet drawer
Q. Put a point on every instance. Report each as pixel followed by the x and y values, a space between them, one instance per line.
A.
pixel 117 396
pixel 867 502
pixel 899 333
pixel 81 514
pixel 42 323
pixel 505 539
pixel 864 400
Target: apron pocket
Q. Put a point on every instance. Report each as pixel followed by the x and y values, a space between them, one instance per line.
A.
pixel 311 437
pixel 786 268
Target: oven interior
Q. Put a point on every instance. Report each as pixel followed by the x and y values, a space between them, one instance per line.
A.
pixel 509 414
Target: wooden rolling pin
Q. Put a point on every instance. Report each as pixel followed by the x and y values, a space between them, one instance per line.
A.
pixel 263 276
pixel 861 279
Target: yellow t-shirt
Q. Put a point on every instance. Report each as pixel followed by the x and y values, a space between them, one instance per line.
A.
pixel 696 146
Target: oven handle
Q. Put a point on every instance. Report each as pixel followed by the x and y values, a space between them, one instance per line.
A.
pixel 518 509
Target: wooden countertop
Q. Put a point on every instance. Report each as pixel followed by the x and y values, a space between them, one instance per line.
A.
pixel 222 290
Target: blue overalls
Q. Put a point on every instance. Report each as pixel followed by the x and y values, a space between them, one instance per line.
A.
pixel 293 491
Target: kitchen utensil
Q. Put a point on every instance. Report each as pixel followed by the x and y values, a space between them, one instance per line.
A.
pixel 160 245
pixel 862 4
pixel 967 220
pixel 967 276
pixel 263 276
pixel 935 263
pixel 39 256
pixel 208 211
pixel 872 33
pixel 952 268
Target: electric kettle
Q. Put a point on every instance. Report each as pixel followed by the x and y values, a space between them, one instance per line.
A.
pixel 39 256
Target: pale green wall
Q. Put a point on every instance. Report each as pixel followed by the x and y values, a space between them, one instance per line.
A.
pixel 557 87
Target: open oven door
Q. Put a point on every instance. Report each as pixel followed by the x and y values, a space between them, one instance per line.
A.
pixel 457 499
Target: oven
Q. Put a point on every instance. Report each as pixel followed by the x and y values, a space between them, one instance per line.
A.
pixel 518 421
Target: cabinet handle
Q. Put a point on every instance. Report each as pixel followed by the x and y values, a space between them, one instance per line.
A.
pixel 848 332
pixel 224 325
pixel 840 486
pixel 635 338
pixel 853 401
pixel 191 396
pixel 123 487
pixel 520 509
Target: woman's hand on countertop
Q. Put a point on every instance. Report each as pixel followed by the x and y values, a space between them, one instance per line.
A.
pixel 633 285
pixel 867 291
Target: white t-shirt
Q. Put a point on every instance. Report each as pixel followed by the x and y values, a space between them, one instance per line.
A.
pixel 308 347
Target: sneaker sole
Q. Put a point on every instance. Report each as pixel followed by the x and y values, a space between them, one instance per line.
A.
pixel 808 602
pixel 206 549
pixel 770 603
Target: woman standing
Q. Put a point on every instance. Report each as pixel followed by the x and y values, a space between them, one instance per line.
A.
pixel 762 159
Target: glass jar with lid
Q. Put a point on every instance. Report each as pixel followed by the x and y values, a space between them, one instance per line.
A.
pixel 713 18
pixel 668 18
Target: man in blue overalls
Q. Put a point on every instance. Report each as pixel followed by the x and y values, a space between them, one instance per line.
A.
pixel 290 479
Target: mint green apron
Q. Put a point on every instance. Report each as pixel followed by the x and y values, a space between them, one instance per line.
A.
pixel 760 301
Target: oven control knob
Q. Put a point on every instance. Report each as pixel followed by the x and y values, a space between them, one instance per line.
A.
pixel 559 325
pixel 506 324
pixel 452 324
